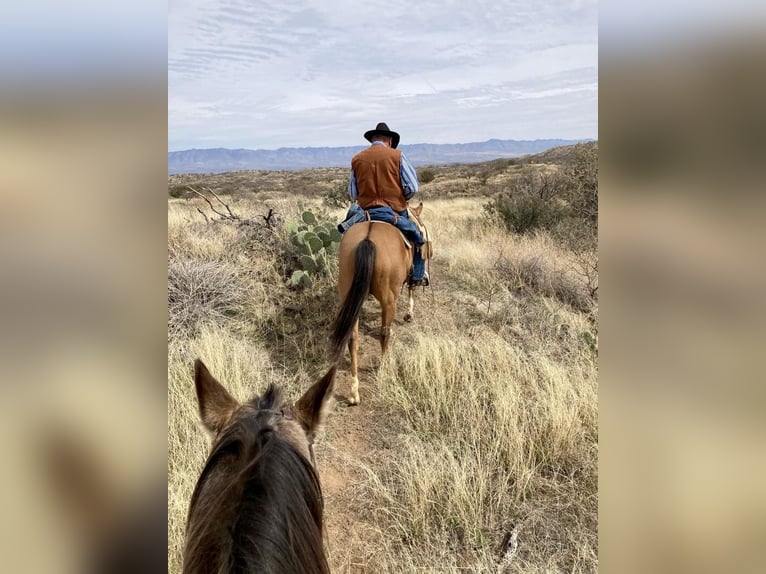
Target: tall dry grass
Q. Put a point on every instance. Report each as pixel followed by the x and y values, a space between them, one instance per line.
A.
pixel 489 438
pixel 226 300
pixel 495 413
pixel 489 400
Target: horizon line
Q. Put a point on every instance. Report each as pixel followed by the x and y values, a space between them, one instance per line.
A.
pixel 364 145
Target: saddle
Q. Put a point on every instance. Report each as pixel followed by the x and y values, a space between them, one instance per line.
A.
pixel 407 242
pixel 356 214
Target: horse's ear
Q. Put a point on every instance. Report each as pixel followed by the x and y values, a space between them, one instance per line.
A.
pixel 312 407
pixel 418 209
pixel 216 405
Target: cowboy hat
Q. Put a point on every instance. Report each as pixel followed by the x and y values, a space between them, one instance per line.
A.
pixel 382 130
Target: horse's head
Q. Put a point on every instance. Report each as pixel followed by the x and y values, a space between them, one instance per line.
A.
pixel 417 210
pixel 258 502
pixel 297 425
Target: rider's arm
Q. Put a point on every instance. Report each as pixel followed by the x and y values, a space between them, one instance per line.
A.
pixel 409 177
pixel 353 192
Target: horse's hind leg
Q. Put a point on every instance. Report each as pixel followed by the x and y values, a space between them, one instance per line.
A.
pixel 410 304
pixel 388 310
pixel 353 349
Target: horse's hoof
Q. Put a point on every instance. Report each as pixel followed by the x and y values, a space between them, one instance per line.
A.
pixel 352 402
pixel 408 317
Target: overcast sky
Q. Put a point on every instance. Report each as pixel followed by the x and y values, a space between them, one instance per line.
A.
pixel 312 73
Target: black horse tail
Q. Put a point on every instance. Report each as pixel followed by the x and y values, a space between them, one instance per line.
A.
pixel 364 263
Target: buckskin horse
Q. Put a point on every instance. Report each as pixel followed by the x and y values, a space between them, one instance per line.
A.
pixel 373 259
pixel 257 506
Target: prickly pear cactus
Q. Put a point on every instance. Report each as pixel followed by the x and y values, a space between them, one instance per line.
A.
pixel 313 242
pixel 301 278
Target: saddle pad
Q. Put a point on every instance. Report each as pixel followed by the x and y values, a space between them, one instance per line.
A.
pixel 406 241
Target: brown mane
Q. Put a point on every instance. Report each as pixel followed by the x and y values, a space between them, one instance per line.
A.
pixel 257 506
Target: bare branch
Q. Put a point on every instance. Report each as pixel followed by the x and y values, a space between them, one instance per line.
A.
pixel 586 266
pixel 226 205
pixel 268 217
pixel 208 202
pixel 223 215
pixel 207 219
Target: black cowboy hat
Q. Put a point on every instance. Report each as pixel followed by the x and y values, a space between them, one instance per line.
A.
pixel 382 130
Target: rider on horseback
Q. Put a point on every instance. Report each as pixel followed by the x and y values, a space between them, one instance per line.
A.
pixel 382 181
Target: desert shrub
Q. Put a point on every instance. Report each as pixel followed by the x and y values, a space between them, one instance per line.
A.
pixel 534 274
pixel 579 230
pixel 178 191
pixel 337 195
pixel 200 292
pixel 544 183
pixel 532 201
pixel 582 182
pixel 564 202
pixel 426 175
pixel 522 213
pixel 577 234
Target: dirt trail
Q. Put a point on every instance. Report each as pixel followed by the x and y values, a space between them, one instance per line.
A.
pixel 353 434
pixel 350 435
pixel 356 433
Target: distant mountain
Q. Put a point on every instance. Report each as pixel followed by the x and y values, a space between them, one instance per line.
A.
pixel 219 160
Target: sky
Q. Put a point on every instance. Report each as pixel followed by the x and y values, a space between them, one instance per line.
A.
pixel 315 73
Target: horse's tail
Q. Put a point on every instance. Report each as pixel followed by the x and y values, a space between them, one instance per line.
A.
pixel 364 263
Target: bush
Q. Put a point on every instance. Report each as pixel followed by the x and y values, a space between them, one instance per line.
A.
pixel 337 195
pixel 200 292
pixel 564 202
pixel 522 213
pixel 426 176
pixel 577 234
pixel 582 179
pixel 178 191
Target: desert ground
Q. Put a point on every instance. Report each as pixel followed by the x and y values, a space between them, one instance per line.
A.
pixel 475 446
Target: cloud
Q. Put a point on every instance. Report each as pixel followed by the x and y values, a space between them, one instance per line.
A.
pixel 257 74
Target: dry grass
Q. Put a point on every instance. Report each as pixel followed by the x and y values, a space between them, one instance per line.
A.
pixel 489 439
pixel 534 261
pixel 487 403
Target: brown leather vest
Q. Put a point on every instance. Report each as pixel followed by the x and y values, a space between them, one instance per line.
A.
pixel 377 178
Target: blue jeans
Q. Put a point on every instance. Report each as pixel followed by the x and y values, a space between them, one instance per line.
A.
pixel 418 265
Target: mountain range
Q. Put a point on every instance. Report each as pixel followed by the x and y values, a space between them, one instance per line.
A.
pixel 219 160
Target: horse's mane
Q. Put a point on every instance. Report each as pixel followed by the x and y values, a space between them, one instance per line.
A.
pixel 257 506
